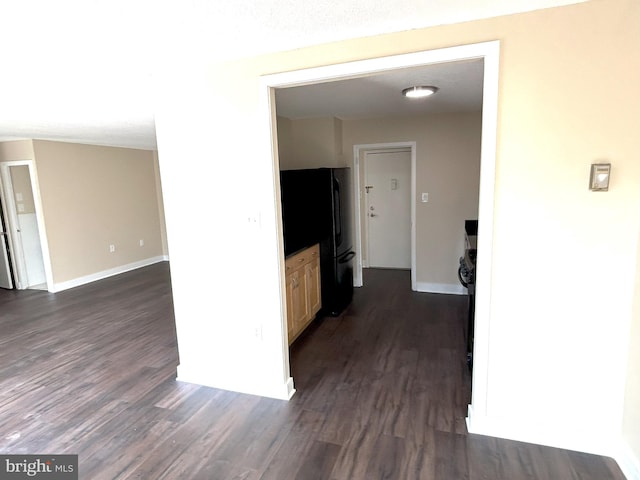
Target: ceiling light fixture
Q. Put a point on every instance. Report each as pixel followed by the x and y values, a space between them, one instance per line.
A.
pixel 419 92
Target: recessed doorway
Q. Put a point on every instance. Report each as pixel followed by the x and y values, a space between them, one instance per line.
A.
pixel 25 239
pixel 489 53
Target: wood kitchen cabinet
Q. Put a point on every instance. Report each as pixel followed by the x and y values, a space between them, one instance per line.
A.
pixel 302 278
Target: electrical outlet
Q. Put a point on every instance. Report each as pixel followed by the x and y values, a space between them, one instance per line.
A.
pixel 112 248
pixel 257 332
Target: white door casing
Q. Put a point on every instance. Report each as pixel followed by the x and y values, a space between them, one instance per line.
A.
pixel 359 152
pixel 26 231
pixel 387 191
pixel 490 53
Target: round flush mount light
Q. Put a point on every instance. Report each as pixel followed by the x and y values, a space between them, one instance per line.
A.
pixel 419 92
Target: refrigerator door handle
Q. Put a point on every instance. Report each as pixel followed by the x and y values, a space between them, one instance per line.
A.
pixel 347 258
pixel 338 207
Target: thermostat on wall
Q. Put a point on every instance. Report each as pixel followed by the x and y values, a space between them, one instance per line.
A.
pixel 599 178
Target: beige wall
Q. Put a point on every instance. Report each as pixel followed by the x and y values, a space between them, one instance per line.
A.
pixel 16 150
pixel 563 268
pixel 285 146
pixel 96 196
pixel 447 167
pixel 310 143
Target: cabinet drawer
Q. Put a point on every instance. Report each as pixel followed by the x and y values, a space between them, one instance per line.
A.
pixel 302 258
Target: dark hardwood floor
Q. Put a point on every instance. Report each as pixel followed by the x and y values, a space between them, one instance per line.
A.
pixel 382 393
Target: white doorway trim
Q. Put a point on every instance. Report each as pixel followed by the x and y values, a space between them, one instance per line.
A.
pixel 17 260
pixel 357 150
pixel 490 53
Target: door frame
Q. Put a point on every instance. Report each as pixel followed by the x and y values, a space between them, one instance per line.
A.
pixel 11 218
pixel 5 246
pixel 363 149
pixel 489 52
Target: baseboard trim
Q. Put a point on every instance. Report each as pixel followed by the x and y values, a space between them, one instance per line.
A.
pixel 290 388
pixel 543 433
pixel 282 391
pixel 76 282
pixel 447 288
pixel 628 462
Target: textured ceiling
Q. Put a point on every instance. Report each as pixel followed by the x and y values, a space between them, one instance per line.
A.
pixel 82 70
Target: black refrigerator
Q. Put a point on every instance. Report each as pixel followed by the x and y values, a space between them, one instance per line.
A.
pixel 316 208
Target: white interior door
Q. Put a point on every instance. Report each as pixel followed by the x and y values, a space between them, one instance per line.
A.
pixel 388 209
pixel 28 226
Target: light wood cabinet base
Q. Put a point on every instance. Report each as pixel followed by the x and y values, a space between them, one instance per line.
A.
pixel 302 280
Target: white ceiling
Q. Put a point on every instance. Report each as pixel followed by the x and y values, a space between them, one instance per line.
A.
pixel 459 84
pixel 83 70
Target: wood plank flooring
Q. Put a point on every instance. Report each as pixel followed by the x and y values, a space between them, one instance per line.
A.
pixel 382 393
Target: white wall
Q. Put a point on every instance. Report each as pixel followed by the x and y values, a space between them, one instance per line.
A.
pixel 631 415
pixel 225 253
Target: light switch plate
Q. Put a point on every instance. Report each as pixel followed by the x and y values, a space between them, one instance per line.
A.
pixel 425 197
pixel 599 177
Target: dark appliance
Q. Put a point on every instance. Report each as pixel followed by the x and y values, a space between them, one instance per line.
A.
pixel 316 208
pixel 467 276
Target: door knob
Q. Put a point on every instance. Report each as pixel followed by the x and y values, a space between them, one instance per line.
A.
pixel 373 214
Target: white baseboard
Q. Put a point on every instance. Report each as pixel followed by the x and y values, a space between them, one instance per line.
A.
pixel 628 462
pixel 76 282
pixel 550 434
pixel 448 288
pixel 290 389
pixel 282 391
